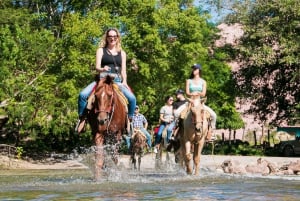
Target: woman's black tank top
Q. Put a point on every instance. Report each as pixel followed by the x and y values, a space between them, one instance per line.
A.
pixel 107 60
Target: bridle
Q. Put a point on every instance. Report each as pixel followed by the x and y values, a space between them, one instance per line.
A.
pixel 196 121
pixel 108 110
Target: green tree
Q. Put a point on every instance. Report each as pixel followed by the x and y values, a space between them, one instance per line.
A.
pixel 48 56
pixel 269 55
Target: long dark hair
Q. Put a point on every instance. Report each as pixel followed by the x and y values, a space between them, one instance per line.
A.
pixel 192 74
pixel 167 98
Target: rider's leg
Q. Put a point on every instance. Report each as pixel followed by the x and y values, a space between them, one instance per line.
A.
pixel 159 136
pixel 148 136
pixel 179 110
pixel 82 102
pixel 213 116
pixel 213 121
pixel 170 130
pixel 130 97
pixel 83 96
pixel 128 143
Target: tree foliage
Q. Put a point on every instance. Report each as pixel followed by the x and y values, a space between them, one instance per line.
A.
pixel 48 55
pixel 269 56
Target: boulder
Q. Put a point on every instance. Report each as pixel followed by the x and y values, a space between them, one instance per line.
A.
pixel 294 167
pixel 262 167
pixel 233 167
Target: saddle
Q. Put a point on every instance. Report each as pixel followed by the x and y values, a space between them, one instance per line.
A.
pixel 119 93
pixel 184 113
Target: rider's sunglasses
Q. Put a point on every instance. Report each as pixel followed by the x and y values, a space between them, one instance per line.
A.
pixel 113 37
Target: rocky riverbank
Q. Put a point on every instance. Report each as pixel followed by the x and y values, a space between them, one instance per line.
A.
pixel 220 163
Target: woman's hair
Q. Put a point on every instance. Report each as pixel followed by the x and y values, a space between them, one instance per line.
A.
pixel 167 98
pixel 103 42
pixel 192 74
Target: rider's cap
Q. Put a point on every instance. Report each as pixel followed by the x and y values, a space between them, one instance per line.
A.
pixel 136 107
pixel 179 91
pixel 197 66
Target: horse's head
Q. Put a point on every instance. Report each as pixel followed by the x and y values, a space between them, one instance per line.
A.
pixel 198 114
pixel 103 103
pixel 138 139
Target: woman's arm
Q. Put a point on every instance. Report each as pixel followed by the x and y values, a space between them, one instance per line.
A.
pixel 123 71
pixel 161 117
pixel 203 93
pixel 99 55
pixel 187 88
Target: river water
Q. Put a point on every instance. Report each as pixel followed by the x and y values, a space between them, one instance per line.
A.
pixel 148 184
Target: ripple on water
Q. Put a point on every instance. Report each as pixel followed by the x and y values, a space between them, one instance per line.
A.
pixel 121 183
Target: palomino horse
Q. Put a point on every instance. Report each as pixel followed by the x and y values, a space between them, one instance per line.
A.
pixel 107 120
pixel 138 145
pixel 196 128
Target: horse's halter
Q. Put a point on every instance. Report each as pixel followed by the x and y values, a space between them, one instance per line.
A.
pixel 198 119
pixel 108 109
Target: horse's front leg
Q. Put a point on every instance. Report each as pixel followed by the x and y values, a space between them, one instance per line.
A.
pixel 99 154
pixel 115 156
pixel 196 158
pixel 140 160
pixel 197 154
pixel 188 157
pixel 133 160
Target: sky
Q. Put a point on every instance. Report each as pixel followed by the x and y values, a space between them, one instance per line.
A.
pixel 216 15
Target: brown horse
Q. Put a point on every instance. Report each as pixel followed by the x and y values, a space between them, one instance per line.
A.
pixel 108 119
pixel 138 145
pixel 196 128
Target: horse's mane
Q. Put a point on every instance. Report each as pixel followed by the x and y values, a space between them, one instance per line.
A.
pixel 106 81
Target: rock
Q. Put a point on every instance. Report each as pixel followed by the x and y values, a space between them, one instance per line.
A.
pixel 263 167
pixel 232 167
pixel 294 167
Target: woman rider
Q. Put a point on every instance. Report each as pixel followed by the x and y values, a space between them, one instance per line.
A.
pixel 196 88
pixel 110 59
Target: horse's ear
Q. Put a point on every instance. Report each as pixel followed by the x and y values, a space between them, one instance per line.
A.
pixel 96 78
pixel 108 79
pixel 203 100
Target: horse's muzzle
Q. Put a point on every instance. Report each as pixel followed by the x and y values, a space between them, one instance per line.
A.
pixel 101 122
pixel 198 130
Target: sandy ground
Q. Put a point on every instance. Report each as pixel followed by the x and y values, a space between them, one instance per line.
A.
pixel 212 162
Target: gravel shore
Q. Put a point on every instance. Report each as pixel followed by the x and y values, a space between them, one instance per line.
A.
pixel 212 162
